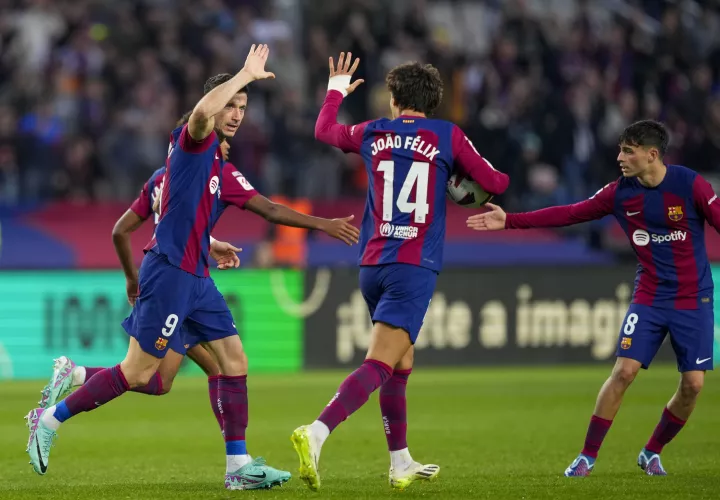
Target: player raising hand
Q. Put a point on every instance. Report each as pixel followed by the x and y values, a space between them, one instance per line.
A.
pixel 409 160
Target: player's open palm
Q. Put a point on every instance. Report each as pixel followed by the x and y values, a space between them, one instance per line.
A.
pixel 343 72
pixel 255 62
pixel 342 230
pixel 494 220
pixel 225 255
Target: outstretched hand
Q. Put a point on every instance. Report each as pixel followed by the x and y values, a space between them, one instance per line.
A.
pixel 493 220
pixel 344 71
pixel 225 255
pixel 342 230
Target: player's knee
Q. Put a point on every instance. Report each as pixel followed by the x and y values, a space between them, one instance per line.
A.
pixel 167 383
pixel 624 374
pixel 690 387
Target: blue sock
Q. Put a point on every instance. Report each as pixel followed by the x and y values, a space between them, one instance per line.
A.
pixel 235 448
pixel 61 412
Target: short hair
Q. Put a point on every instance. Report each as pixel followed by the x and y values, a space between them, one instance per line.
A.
pixel 646 133
pixel 185 118
pixel 415 86
pixel 217 80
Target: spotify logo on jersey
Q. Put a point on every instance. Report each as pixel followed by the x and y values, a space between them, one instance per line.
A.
pixel 641 237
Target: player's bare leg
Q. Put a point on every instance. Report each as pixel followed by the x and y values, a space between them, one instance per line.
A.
pixel 242 471
pixel 673 418
pixel 393 407
pixel 207 363
pixel 388 345
pixel 135 370
pixel 606 407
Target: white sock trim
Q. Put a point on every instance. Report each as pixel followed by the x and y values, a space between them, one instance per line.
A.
pixel 320 431
pixel 235 462
pixel 48 419
pixel 78 376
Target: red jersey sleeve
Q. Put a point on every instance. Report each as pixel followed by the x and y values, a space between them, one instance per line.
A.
pixel 706 202
pixel 596 207
pixel 141 206
pixel 472 164
pixel 190 145
pixel 236 190
pixel 328 130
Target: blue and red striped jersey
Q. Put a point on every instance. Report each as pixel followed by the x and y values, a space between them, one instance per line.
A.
pixel 409 161
pixel 237 191
pixel 190 194
pixel 143 204
pixel 665 226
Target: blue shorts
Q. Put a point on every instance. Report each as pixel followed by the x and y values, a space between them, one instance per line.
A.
pixel 691 335
pixel 398 294
pixel 175 308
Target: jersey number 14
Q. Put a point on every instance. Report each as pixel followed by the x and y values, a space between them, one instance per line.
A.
pixel 417 179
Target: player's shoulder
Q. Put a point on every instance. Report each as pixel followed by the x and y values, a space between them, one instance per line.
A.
pixel 156 176
pixel 682 172
pixel 232 173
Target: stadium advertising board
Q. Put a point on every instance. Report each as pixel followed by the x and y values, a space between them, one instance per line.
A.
pixel 45 314
pixel 487 316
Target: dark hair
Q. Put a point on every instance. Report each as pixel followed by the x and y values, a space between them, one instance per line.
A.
pixel 646 133
pixel 217 80
pixel 415 86
pixel 185 118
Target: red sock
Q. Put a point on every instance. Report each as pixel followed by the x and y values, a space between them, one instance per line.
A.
pixel 393 407
pixel 154 387
pixel 90 371
pixel 666 430
pixel 213 382
pixel 354 392
pixel 596 432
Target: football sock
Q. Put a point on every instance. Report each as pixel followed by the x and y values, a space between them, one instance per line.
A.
pixel 233 402
pixel 154 387
pixel 82 374
pixel 105 386
pixel 596 432
pixel 666 430
pixel 354 392
pixel 213 382
pixel 393 407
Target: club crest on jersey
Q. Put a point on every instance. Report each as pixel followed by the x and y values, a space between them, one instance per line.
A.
pixel 675 213
pixel 625 343
pixel 214 184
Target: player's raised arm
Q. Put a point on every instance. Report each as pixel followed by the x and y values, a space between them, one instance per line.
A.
pixel 706 202
pixel 327 129
pixel 596 207
pixel 474 165
pixel 202 119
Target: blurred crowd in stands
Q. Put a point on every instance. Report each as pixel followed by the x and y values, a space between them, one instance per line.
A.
pixel 90 89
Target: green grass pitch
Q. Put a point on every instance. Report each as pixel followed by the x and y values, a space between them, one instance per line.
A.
pixel 496 433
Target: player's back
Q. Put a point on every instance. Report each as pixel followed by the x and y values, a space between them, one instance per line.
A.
pixel 190 193
pixel 409 161
pixel 667 232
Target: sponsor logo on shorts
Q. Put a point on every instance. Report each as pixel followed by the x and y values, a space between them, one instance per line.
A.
pixel 625 343
pixel 161 344
pixel 399 232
